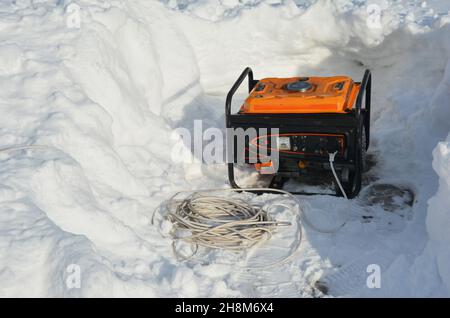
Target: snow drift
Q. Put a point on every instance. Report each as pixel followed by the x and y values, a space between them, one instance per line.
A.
pixel 438 216
pixel 101 102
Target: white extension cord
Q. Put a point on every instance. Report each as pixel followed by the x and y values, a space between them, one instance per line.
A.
pixel 232 224
pixel 331 159
pixel 26 147
pixel 211 221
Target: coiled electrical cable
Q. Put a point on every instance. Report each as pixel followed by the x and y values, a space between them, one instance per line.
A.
pixel 231 223
pixel 218 222
pixel 228 223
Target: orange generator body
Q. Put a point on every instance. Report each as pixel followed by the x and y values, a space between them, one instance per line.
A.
pixel 299 122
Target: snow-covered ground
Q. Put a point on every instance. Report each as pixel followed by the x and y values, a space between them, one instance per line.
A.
pixel 101 101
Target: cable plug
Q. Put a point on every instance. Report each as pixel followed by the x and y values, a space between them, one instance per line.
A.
pixel 332 155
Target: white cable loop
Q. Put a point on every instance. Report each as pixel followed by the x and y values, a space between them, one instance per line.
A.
pixel 26 147
pixel 231 224
pixel 224 223
pixel 218 222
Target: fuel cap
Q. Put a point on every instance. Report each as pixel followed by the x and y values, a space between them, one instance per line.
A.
pixel 299 86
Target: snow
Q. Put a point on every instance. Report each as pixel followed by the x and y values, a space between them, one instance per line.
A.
pixel 102 102
pixel 438 219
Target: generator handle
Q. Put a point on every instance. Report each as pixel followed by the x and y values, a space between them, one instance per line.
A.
pixel 251 83
pixel 366 87
pixel 362 123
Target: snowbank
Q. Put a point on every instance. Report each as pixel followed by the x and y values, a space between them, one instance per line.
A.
pixel 92 99
pixel 438 219
pixel 438 216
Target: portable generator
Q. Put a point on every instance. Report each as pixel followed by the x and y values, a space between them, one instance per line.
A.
pixel 310 123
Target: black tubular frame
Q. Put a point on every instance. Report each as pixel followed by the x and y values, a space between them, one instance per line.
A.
pixel 366 87
pixel 364 90
pixel 361 118
pixel 251 83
